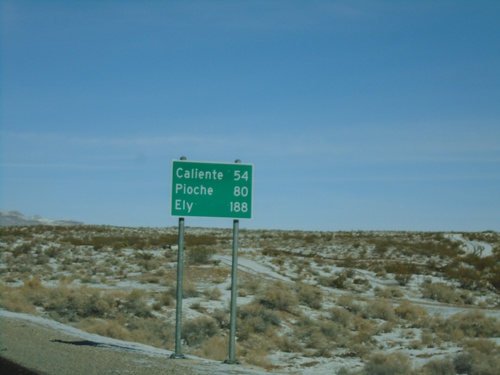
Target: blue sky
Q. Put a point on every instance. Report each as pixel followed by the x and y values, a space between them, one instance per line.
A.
pixel 357 115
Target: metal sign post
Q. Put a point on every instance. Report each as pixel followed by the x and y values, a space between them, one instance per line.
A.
pixel 178 306
pixel 234 272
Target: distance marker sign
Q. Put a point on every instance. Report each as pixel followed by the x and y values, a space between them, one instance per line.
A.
pixel 211 189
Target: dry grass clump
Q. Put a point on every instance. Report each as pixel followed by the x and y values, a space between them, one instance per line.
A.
pixel 388 364
pixel 443 366
pixel 255 318
pixel 350 304
pixel 278 296
pixel 255 351
pixel 474 324
pixel 73 304
pixel 164 299
pixel 120 315
pixel 248 285
pixel 444 293
pixel 200 254
pixel 15 299
pixel 320 336
pixel 216 347
pixel 342 317
pixel 309 295
pixel 481 357
pixel 414 314
pixel 388 292
pixel 379 309
pixel 212 294
pixel 198 330
pixel 338 280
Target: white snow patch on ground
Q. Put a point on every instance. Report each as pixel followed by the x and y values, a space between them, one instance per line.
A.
pixel 253 268
pixel 482 249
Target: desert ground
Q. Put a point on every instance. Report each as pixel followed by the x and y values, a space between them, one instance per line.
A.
pixel 356 302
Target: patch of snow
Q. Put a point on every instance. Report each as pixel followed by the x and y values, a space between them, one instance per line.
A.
pixel 482 249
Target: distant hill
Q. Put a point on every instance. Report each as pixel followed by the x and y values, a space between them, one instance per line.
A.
pixel 15 218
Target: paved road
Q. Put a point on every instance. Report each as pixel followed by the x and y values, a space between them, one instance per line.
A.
pixel 11 368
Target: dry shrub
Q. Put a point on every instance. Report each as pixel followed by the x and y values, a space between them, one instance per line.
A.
pixel 427 339
pixel 388 364
pixel 73 304
pixel 438 367
pixel 287 343
pixel 473 324
pixel 463 363
pixel 348 303
pixel 198 330
pixel 440 292
pixel 136 305
pixel 480 358
pixel 200 239
pixel 380 310
pixel 216 347
pixel 108 328
pixel 481 345
pixel 150 331
pixel 322 335
pixel 200 254
pixel 212 294
pixel 364 331
pixel 189 290
pixel 13 299
pixel 412 313
pixel 338 281
pixel 468 277
pixel 486 356
pixel 249 285
pixel 255 350
pixel 255 318
pixel 67 304
pixel 222 318
pixel 164 299
pixel 309 295
pixel 341 316
pixel 389 292
pixel 477 324
pixel 278 296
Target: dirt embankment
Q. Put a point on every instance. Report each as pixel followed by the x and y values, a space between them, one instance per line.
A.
pixel 46 351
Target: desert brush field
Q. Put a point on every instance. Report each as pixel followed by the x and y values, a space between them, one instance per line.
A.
pixel 357 302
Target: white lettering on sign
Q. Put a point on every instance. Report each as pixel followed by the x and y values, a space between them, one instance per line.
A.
pixel 238 176
pixel 183 205
pixel 195 173
pixel 193 190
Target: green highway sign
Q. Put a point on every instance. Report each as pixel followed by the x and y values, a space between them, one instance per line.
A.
pixel 211 189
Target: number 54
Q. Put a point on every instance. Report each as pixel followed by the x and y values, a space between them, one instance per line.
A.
pixel 239 176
